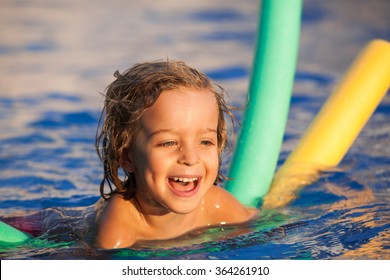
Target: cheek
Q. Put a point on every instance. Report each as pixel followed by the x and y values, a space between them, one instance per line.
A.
pixel 148 163
pixel 139 158
pixel 217 165
pixel 213 161
pixel 141 161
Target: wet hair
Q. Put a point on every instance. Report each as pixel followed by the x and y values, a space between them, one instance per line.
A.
pixel 127 99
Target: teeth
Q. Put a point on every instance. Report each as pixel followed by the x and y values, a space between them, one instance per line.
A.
pixel 185 180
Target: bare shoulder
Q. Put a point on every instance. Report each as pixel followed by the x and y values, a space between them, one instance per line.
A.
pixel 224 207
pixel 113 225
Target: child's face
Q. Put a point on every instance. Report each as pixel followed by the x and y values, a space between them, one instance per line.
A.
pixel 174 157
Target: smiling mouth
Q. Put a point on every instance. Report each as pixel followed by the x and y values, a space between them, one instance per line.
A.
pixel 184 186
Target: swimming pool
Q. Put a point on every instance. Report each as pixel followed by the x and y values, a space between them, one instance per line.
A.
pixel 57 56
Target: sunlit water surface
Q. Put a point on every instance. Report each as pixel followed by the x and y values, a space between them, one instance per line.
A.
pixel 55 58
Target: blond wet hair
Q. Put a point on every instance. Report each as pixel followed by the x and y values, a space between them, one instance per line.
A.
pixel 126 100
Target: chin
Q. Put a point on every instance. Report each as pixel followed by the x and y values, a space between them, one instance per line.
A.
pixel 183 209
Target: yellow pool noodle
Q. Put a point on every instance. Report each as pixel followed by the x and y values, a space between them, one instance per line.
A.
pixel 348 108
pixel 337 125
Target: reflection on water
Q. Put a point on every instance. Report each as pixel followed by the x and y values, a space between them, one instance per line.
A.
pixel 336 217
pixel 55 58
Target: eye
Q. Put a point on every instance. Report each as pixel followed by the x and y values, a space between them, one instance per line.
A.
pixel 167 144
pixel 207 143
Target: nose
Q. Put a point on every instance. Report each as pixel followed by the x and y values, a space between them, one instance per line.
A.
pixel 188 155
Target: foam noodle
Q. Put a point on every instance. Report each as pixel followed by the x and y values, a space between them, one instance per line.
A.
pixel 9 234
pixel 338 123
pixel 258 147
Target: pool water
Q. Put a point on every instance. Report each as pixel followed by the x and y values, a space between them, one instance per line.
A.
pixel 55 58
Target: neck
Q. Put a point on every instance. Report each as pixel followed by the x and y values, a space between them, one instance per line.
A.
pixel 162 222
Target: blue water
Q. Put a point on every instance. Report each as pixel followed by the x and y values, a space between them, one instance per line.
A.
pixel 55 58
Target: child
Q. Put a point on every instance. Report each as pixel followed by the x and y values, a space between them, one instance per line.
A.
pixel 163 124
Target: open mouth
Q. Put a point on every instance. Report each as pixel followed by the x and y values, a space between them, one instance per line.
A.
pixel 184 186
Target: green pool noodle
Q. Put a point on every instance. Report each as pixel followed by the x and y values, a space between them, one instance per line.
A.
pixel 259 142
pixel 11 235
pixel 258 147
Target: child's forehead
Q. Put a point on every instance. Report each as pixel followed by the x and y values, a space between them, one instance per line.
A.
pixel 188 95
pixel 182 90
pixel 184 105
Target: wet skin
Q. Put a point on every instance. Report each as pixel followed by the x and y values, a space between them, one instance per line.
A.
pixel 175 161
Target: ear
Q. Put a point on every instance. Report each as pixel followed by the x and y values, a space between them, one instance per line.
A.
pixel 126 161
